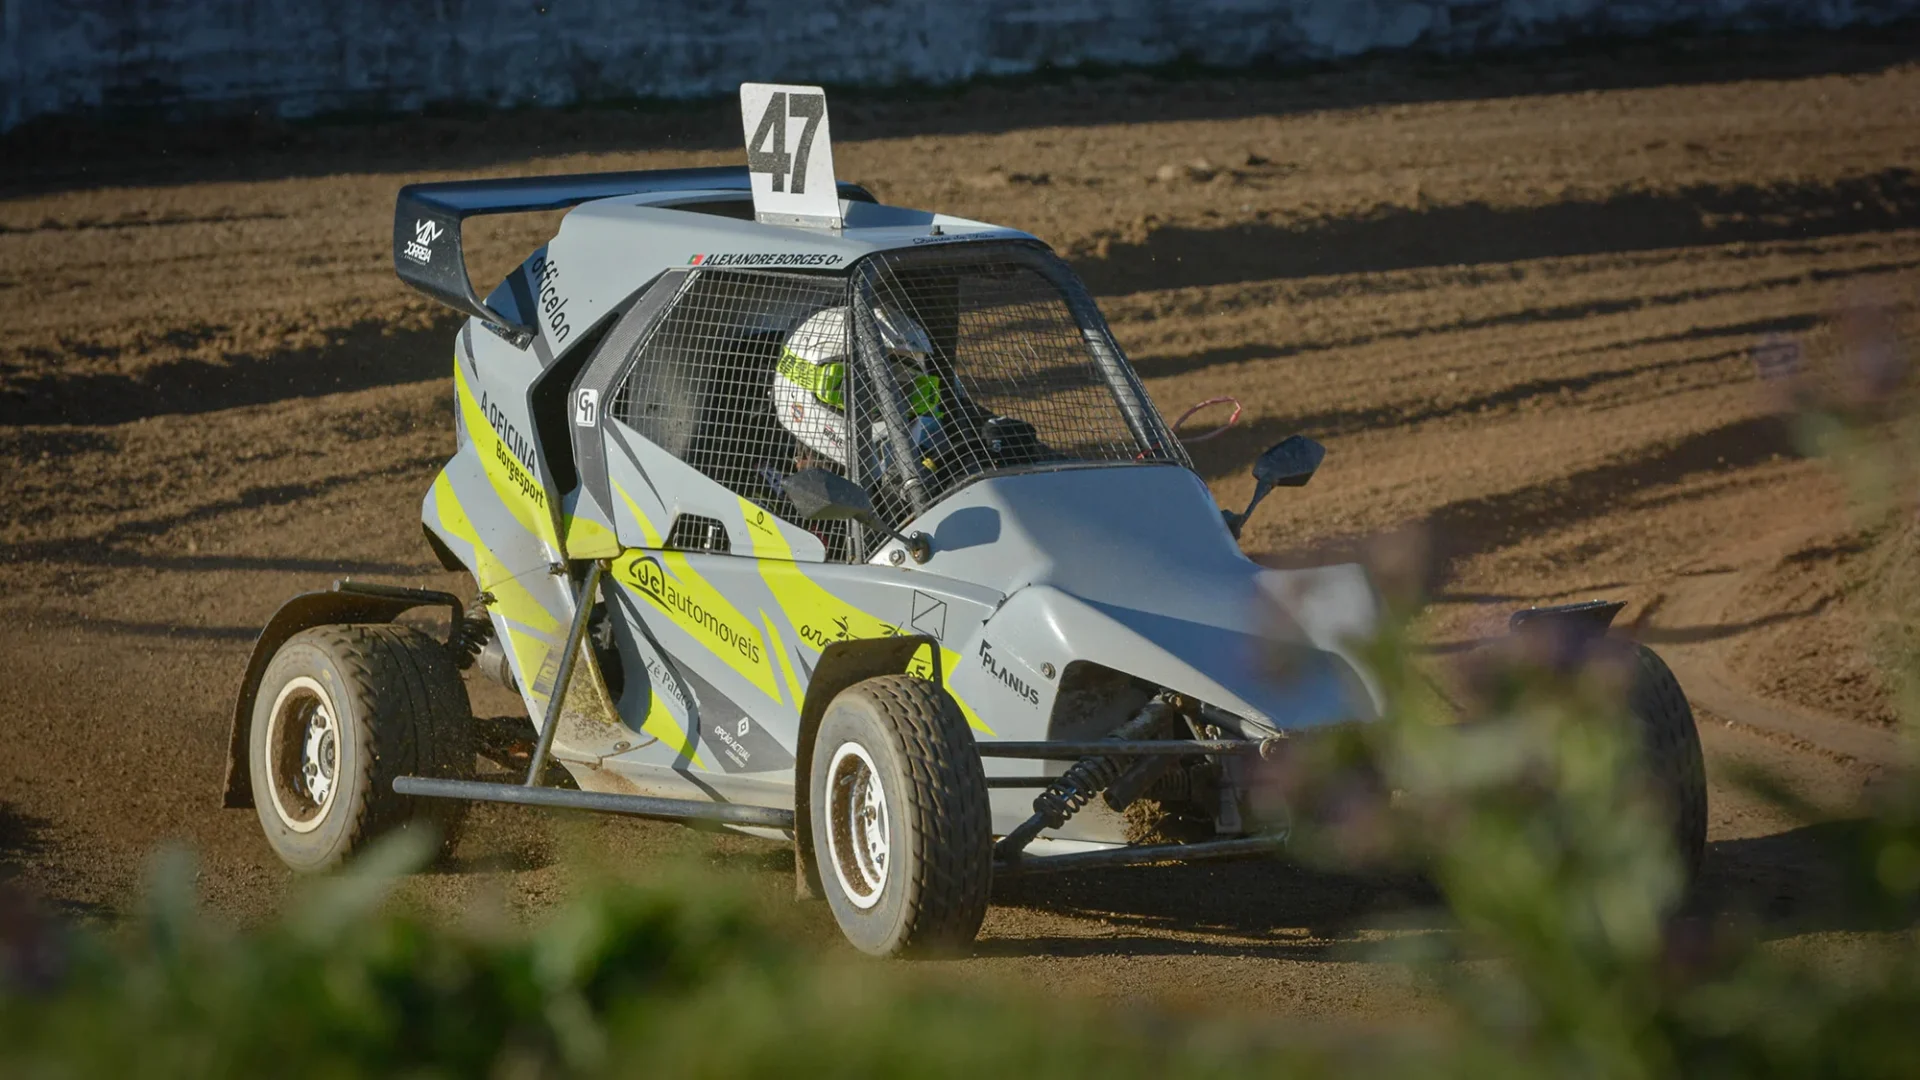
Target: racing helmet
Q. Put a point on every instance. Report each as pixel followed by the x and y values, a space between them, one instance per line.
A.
pixel 809 385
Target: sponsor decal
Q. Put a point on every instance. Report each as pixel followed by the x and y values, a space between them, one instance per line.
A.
pixel 514 452
pixel 664 683
pixel 757 521
pixel 586 408
pixel 992 666
pixel 549 671
pixel 746 746
pixel 546 276
pixel 929 615
pixel 420 248
pixel 921 666
pixel 767 258
pixel 735 750
pixel 578 705
pixel 528 486
pixel 820 618
pixel 838 629
pixel 961 238
pixel 653 581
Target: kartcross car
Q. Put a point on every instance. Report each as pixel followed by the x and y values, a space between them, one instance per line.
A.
pixel 833 522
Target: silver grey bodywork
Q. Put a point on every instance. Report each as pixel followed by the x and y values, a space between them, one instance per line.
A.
pixel 1126 566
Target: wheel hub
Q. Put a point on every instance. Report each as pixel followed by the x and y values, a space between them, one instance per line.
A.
pixel 303 754
pixel 317 761
pixel 859 830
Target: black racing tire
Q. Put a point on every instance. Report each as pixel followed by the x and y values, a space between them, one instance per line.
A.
pixel 926 893
pixel 1671 744
pixel 376 702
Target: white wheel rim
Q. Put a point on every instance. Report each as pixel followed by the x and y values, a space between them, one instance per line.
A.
pixel 303 754
pixel 859 832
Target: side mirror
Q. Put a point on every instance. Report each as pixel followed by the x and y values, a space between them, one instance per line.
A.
pixel 825 495
pixel 1291 462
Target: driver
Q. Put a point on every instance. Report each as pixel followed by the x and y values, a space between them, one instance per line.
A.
pixel 809 386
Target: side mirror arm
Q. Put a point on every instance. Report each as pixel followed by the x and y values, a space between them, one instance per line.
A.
pixel 1237 521
pixel 1291 462
pixel 821 495
pixel 919 544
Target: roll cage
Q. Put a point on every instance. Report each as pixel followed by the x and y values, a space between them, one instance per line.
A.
pixel 1030 377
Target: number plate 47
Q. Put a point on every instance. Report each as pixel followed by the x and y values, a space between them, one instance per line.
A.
pixel 789 154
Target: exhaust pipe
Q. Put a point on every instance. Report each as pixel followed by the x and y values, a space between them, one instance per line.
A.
pixel 492 662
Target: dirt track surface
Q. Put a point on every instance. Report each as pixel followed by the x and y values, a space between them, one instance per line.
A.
pixel 1519 305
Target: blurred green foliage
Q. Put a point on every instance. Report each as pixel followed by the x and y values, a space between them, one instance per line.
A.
pixel 677 978
pixel 1533 821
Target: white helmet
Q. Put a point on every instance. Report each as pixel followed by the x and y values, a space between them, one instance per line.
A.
pixel 809 394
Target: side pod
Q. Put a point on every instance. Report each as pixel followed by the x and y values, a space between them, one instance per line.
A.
pixel 346 602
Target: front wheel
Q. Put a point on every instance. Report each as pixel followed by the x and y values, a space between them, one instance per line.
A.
pixel 341 711
pixel 901 825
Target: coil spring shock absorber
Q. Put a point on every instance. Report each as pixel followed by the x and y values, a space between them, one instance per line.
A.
pixel 1077 786
pixel 1075 789
pixel 473 633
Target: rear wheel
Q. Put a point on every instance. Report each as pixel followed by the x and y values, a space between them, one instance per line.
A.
pixel 901 826
pixel 341 711
pixel 1672 747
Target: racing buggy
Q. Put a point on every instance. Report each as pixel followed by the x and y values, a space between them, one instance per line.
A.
pixel 823 520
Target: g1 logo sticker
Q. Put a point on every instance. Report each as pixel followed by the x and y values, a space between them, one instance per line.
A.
pixel 586 408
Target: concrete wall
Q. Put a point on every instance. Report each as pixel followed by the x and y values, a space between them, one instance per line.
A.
pixel 299 57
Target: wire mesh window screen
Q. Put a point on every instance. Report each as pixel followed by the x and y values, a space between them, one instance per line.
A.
pixel 1011 377
pixel 692 532
pixel 701 384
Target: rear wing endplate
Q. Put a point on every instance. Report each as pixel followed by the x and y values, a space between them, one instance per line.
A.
pixel 426 222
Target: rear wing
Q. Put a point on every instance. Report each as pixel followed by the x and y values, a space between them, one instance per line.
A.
pixel 427 217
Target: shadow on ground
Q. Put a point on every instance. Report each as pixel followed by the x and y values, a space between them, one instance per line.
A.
pixel 123 546
pixel 24 841
pixel 367 354
pixel 1782 886
pixel 1267 908
pixel 1401 238
pixel 1156 365
pixel 1799 881
pixel 1486 523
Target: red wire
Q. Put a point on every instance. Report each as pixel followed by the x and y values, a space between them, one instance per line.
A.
pixel 1216 432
